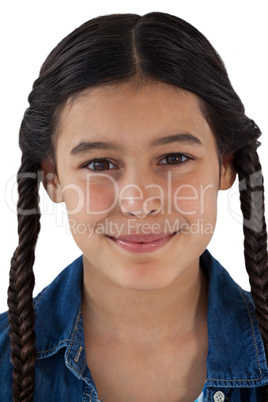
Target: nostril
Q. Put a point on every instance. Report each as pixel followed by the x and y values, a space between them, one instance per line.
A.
pixel 154 211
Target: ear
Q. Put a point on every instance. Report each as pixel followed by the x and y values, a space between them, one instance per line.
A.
pixel 51 182
pixel 228 173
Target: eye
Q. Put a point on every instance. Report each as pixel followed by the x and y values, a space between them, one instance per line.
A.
pixel 99 165
pixel 175 159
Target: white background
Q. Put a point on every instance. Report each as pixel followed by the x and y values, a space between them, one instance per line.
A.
pixel 30 29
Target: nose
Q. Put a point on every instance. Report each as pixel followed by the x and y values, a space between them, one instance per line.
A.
pixel 140 205
pixel 141 213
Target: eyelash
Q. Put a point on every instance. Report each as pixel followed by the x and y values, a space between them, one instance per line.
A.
pixel 176 155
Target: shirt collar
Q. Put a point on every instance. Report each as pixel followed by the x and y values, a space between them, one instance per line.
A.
pixel 236 356
pixel 57 308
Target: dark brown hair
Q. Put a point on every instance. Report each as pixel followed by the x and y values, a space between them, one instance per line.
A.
pixel 118 48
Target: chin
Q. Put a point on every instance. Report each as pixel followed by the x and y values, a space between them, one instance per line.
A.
pixel 143 278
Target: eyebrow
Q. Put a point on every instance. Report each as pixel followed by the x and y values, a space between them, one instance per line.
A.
pixel 85 146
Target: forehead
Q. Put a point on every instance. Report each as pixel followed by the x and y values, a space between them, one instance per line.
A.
pixel 133 97
pixel 125 111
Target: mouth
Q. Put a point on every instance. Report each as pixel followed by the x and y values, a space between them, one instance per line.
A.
pixel 142 243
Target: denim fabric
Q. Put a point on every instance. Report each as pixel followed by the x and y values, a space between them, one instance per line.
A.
pixel 236 363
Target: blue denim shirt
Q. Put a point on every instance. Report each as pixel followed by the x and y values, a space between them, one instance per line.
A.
pixel 236 364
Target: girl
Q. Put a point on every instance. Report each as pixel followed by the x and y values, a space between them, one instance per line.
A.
pixel 134 125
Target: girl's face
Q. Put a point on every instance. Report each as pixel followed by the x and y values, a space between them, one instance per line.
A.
pixel 123 152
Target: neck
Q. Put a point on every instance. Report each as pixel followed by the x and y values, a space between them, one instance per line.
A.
pixel 126 316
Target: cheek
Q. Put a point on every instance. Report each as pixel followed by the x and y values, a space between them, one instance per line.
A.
pixel 193 198
pixel 93 198
pixel 87 205
pixel 100 197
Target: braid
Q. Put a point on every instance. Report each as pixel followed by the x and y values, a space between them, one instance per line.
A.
pixel 248 166
pixel 21 312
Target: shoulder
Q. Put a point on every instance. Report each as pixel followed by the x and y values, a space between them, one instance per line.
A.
pixel 54 307
pixel 222 287
pixel 229 304
pixel 4 336
pixel 57 305
pixel 60 289
pixel 5 360
pixel 236 350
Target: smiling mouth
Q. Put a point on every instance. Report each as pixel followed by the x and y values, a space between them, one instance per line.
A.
pixel 142 243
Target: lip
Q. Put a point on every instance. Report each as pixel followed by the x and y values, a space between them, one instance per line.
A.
pixel 142 243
